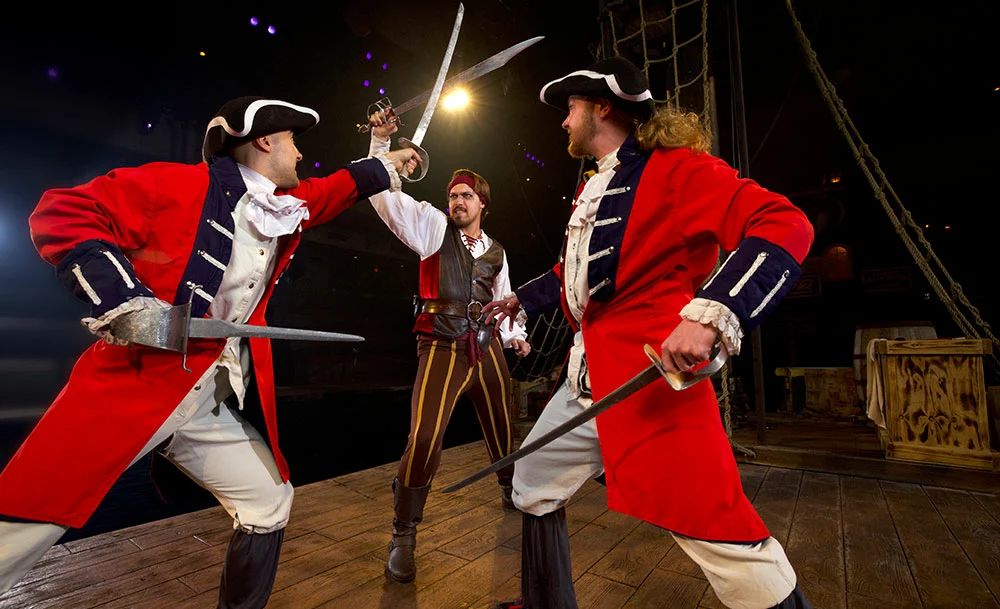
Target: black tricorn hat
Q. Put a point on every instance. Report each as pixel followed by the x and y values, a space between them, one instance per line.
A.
pixel 616 79
pixel 245 118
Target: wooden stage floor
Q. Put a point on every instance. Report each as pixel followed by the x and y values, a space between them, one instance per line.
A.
pixel 856 542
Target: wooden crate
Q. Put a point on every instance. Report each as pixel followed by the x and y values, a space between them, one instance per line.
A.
pixel 935 402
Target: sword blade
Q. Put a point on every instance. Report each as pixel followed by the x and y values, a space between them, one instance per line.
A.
pixel 482 68
pixel 642 379
pixel 425 120
pixel 217 328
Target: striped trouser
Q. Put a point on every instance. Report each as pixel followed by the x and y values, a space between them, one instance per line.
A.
pixel 443 375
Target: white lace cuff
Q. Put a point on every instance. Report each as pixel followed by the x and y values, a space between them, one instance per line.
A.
pixel 395 184
pixel 100 326
pixel 720 317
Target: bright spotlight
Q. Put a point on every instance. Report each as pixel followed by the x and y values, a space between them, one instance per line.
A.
pixel 456 100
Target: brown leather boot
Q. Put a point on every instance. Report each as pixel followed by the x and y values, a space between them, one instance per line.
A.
pixel 409 505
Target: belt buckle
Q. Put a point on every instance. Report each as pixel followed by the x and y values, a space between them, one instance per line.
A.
pixel 474 310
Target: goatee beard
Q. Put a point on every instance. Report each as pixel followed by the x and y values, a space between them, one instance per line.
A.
pixel 576 150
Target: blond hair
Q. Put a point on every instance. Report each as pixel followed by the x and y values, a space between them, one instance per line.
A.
pixel 672 127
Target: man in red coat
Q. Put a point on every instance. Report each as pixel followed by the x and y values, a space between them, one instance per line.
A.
pixel 218 234
pixel 643 238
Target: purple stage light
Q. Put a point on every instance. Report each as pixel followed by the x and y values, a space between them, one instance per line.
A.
pixel 253 21
pixel 53 73
pixel 366 83
pixel 538 161
pixel 381 91
pixel 368 55
pixel 316 164
pixel 149 125
pixel 527 156
pixel 271 30
pixel 532 157
pixel 543 164
pixel 385 66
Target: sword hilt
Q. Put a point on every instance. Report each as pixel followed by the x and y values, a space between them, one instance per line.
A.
pixel 424 160
pixel 683 380
pixel 384 106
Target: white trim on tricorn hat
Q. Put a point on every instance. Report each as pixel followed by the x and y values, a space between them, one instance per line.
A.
pixel 253 117
pixel 615 78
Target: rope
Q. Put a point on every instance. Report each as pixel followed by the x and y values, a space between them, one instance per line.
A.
pixel 901 221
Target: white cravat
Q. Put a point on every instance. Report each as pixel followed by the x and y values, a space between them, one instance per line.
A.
pixel 275 215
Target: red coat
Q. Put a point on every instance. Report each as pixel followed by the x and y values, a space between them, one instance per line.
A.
pixel 117 397
pixel 666 455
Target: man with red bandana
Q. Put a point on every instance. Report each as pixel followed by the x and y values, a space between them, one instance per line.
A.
pixel 461 269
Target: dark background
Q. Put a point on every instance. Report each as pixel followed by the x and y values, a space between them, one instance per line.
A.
pixel 89 89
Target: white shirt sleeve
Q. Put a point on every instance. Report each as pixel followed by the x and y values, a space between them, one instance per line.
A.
pixel 418 224
pixel 501 287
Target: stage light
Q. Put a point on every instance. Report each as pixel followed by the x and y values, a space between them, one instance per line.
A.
pixel 366 83
pixel 202 53
pixel 456 100
pixel 368 55
pixel 53 73
pixel 385 66
pixel 381 91
pixel 271 30
pixel 316 164
pixel 527 155
pixel 253 21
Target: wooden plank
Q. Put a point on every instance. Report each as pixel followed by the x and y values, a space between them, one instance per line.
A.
pixel 631 561
pixel 132 582
pixel 667 589
pixel 507 591
pixel 482 580
pixel 752 476
pixel 76 583
pixel 208 578
pixel 61 565
pixel 940 568
pixel 305 567
pixel 592 542
pixel 385 592
pixel 775 501
pixel 328 584
pixel 815 541
pixel 976 531
pixel 955 346
pixel 677 561
pixel 162 595
pixel 856 601
pixel 990 502
pixel 593 592
pixel 580 511
pixel 479 541
pixel 875 564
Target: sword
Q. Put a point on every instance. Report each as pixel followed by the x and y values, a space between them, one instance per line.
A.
pixel 425 120
pixel 655 370
pixel 480 69
pixel 170 328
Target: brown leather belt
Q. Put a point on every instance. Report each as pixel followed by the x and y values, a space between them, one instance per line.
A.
pixel 441 306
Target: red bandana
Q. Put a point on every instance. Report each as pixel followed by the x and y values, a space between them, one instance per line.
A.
pixel 468 181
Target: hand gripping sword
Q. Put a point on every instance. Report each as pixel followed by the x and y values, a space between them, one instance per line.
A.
pixel 655 370
pixel 425 120
pixel 170 328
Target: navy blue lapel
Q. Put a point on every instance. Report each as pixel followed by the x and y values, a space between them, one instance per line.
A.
pixel 213 244
pixel 612 217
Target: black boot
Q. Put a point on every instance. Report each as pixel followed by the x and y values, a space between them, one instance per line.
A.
pixel 248 573
pixel 796 600
pixel 546 574
pixel 505 477
pixel 409 504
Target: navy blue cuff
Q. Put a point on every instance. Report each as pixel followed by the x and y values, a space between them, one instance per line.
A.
pixel 97 272
pixel 540 295
pixel 370 176
pixel 753 280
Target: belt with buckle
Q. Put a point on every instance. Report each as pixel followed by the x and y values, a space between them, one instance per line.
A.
pixel 440 306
